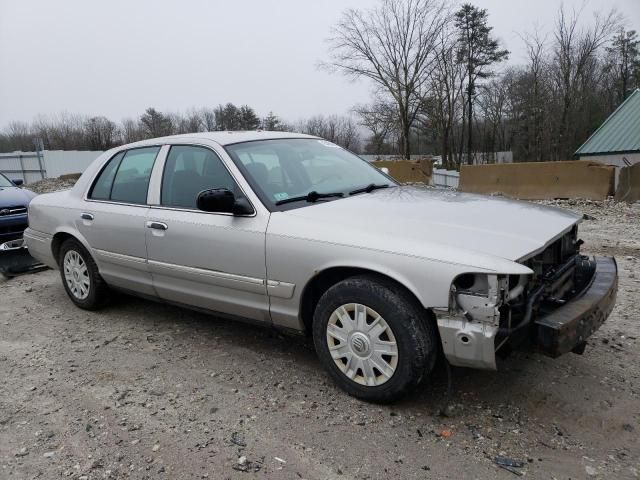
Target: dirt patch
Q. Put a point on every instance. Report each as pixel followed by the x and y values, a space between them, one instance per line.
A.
pixel 142 390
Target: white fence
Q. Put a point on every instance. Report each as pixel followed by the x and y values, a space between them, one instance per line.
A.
pixel 445 178
pixel 29 166
pixel 34 166
pixel 61 162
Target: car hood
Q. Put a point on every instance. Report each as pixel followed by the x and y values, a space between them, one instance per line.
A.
pixel 14 196
pixel 436 223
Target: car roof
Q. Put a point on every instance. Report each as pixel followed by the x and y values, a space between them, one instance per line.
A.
pixel 224 137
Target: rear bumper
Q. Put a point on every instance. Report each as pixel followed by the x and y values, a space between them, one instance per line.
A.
pixel 39 245
pixel 567 328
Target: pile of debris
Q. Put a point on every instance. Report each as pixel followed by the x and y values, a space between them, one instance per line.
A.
pixel 48 185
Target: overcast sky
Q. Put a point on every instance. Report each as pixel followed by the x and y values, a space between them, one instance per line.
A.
pixel 117 57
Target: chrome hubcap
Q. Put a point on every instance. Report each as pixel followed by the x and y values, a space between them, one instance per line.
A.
pixel 362 344
pixel 76 274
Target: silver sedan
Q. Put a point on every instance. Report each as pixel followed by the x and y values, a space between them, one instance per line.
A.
pixel 295 232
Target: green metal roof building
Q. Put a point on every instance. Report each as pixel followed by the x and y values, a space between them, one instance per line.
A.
pixel 617 141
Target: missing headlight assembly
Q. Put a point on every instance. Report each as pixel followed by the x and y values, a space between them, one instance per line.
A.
pixel 478 311
pixel 479 296
pixel 469 327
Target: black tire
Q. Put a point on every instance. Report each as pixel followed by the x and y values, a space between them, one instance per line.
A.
pixel 414 331
pixel 98 294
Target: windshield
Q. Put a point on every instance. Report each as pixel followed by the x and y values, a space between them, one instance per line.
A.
pixel 281 170
pixel 5 182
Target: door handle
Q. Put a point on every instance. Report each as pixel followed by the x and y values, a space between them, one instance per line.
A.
pixel 157 225
pixel 86 216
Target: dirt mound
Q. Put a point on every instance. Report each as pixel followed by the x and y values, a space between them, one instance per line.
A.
pixel 51 185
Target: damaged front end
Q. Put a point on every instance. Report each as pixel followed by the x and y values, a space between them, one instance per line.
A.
pixel 468 329
pixel 554 310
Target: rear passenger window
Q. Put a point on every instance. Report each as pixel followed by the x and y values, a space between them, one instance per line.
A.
pixel 102 188
pixel 188 171
pixel 126 177
pixel 132 178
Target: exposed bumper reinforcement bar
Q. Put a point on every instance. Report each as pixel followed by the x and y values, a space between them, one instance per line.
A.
pixel 567 328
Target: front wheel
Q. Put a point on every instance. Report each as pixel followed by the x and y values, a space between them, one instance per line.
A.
pixel 80 276
pixel 375 340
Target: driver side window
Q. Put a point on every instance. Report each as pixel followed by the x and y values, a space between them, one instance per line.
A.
pixel 188 171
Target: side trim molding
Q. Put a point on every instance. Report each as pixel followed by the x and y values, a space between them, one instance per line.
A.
pixel 205 272
pixel 210 277
pixel 128 261
pixel 280 289
pixel 274 288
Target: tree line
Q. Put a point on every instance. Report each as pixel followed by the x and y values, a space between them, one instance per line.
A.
pixel 440 86
pixel 76 132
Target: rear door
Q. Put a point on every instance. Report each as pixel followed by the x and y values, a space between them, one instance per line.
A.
pixel 113 220
pixel 214 261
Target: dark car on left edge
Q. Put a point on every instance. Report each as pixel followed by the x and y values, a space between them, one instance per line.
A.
pixel 14 202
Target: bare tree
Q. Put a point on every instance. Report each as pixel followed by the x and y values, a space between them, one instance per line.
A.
pixel 348 136
pixel 101 133
pixel 191 122
pixel 394 46
pixel 208 119
pixel 535 94
pixel 132 131
pixel 316 126
pixel 336 129
pixel 155 123
pixel 493 102
pixel 20 136
pixel 574 50
pixel 447 81
pixel 624 60
pixel 62 132
pixel 381 119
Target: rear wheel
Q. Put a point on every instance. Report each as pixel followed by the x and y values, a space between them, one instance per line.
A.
pixel 373 338
pixel 80 276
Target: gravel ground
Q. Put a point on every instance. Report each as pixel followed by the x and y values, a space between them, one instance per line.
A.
pixel 143 390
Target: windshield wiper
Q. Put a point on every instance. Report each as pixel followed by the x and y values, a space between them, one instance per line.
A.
pixel 369 188
pixel 311 197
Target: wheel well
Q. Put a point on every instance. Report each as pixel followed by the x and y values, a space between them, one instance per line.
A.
pixel 324 280
pixel 56 243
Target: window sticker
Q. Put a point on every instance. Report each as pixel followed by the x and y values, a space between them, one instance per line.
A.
pixel 328 144
pixel 280 196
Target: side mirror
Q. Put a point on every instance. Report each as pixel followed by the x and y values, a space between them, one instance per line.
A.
pixel 18 182
pixel 222 200
pixel 384 170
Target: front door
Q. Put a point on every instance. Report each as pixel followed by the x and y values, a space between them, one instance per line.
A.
pixel 209 260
